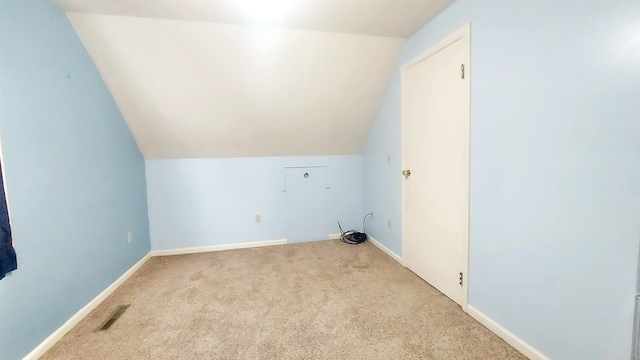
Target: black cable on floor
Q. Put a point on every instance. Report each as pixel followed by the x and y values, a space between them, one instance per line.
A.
pixel 353 237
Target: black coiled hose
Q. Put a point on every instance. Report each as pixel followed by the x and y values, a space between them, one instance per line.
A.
pixel 353 237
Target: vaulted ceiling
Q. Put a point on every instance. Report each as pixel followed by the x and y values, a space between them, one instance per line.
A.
pixel 206 78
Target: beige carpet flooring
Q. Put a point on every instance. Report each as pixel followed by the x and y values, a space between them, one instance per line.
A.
pixel 319 300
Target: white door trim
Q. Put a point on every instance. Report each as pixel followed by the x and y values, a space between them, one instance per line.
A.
pixel 464 34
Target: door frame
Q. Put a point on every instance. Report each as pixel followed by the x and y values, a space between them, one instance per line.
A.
pixel 463 34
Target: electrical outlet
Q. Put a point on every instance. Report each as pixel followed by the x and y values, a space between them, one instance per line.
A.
pixel 389 223
pixel 129 237
pixel 258 218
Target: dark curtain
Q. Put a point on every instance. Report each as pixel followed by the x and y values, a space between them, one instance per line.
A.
pixel 8 260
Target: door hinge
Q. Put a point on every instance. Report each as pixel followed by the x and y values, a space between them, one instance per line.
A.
pixel 462 71
pixel 460 279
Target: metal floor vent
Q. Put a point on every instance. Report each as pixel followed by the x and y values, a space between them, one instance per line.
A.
pixel 114 316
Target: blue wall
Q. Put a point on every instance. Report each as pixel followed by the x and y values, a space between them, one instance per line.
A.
pixel 555 177
pixel 74 175
pixel 205 202
pixel 555 200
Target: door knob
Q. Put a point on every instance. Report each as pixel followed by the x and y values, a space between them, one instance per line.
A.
pixel 406 173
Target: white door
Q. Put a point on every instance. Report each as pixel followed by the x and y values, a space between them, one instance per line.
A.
pixel 307 204
pixel 435 145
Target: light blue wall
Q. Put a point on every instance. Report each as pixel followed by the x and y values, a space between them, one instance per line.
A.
pixel 74 175
pixel 555 177
pixel 205 202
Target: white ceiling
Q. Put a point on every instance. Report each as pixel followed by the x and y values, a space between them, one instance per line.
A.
pixel 392 18
pixel 198 78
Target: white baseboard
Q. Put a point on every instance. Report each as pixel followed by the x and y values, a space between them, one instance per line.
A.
pixel 507 336
pixel 334 236
pixel 75 319
pixel 526 349
pixel 520 345
pixel 386 250
pixel 194 250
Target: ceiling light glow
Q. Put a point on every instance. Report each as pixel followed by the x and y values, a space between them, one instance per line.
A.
pixel 264 10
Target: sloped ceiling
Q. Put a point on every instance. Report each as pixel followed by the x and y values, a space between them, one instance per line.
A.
pixel 201 79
